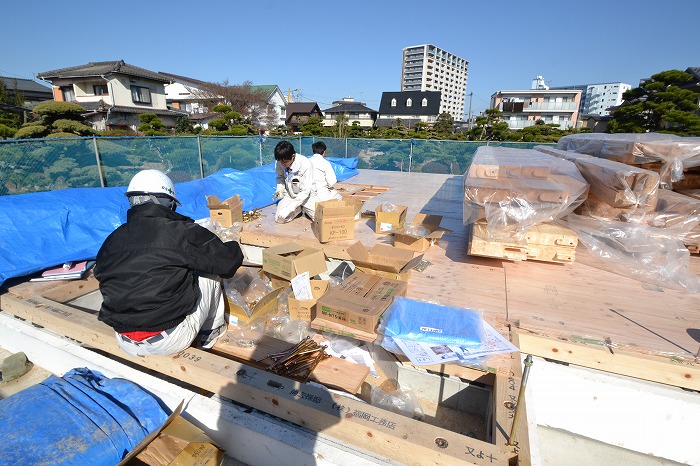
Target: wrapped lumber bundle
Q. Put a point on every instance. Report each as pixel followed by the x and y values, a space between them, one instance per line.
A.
pixel 546 242
pixel 678 213
pixel 677 153
pixel 515 189
pixel 617 191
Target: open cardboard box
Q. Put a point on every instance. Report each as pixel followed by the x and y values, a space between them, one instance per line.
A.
pixel 384 260
pixel 243 283
pixel 305 309
pixel 388 222
pixel 225 213
pixel 290 259
pixel 405 240
pixel 334 220
pixel 176 442
pixel 360 301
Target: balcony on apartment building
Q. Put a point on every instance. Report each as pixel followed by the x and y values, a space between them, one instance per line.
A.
pixel 518 107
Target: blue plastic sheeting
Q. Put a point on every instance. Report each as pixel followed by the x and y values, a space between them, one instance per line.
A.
pixel 46 229
pixel 81 418
pixel 432 323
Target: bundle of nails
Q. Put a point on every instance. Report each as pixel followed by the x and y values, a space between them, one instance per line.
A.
pixel 251 215
pixel 299 361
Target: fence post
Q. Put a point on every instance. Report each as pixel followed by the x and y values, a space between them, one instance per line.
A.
pixel 98 162
pixel 410 156
pixel 201 159
pixel 346 148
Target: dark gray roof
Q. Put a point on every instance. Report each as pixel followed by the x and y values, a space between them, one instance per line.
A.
pixel 26 85
pixel 349 107
pixel 93 107
pixel 416 108
pixel 183 79
pixel 301 107
pixel 103 68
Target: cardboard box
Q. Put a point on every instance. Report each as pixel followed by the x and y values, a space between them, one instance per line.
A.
pixel 290 259
pixel 387 222
pixel 177 442
pixel 334 220
pixel 225 213
pixel 384 260
pixel 239 316
pixel 406 239
pixel 360 301
pixel 319 323
pixel 305 309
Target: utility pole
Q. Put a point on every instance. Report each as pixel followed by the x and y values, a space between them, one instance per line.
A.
pixel 469 117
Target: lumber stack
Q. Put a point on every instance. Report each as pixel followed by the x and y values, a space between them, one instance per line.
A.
pixel 675 153
pixel 546 242
pixel 512 195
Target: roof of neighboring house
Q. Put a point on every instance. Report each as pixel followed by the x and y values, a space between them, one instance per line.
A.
pixel 416 108
pixel 183 79
pixel 96 107
pixel 103 68
pixel 26 86
pixel 302 107
pixel 268 89
pixel 350 107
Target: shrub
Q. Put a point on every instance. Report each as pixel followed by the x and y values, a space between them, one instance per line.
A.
pixel 61 134
pixel 54 110
pixel 6 131
pixel 32 131
pixel 72 126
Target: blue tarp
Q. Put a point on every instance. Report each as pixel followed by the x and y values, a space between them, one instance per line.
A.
pixel 80 418
pixel 42 230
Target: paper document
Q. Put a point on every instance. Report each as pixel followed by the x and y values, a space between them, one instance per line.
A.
pixel 301 286
pixel 426 354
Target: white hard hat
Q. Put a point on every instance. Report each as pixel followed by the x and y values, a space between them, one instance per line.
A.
pixel 151 182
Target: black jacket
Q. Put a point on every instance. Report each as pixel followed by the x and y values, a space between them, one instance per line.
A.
pixel 148 267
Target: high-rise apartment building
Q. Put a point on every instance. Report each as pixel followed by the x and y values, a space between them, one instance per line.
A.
pixel 430 68
pixel 597 99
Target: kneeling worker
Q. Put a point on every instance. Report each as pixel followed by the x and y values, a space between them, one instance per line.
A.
pixel 294 183
pixel 160 272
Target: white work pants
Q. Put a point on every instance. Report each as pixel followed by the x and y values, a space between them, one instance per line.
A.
pixel 205 323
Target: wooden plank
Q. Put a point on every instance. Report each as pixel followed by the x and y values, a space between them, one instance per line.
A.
pixel 332 372
pixel 579 302
pixel 671 371
pixel 358 424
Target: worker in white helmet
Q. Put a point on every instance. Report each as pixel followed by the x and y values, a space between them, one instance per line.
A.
pixel 160 274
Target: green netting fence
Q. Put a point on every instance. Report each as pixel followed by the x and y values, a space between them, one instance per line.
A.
pixel 30 165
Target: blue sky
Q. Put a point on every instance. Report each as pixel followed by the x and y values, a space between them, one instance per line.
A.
pixel 331 49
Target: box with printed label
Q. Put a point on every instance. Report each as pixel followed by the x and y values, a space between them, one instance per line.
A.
pixel 290 259
pixel 421 233
pixel 389 221
pixel 225 213
pixel 334 220
pixel 305 309
pixel 384 260
pixel 360 301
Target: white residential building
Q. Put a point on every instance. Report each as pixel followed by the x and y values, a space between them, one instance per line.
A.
pixel 430 68
pixel 597 99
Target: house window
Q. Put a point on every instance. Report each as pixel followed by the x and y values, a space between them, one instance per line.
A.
pixel 68 93
pixel 100 89
pixel 424 102
pixel 409 102
pixel 140 95
pixel 393 102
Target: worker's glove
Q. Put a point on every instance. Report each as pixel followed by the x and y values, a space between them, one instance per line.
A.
pixel 279 194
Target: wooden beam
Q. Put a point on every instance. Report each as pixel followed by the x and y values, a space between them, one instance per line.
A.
pixel 361 425
pixel 673 371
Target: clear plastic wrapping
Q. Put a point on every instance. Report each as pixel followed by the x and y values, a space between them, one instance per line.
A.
pixel 617 191
pixel 676 152
pixel 636 250
pixel 514 189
